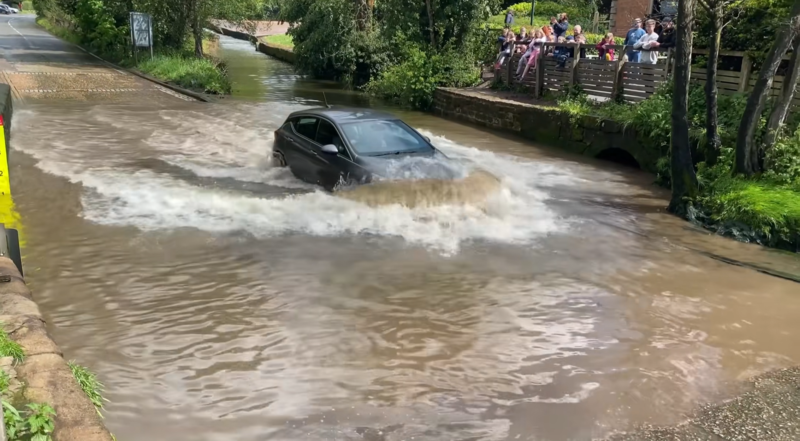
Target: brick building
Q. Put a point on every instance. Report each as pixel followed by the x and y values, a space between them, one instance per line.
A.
pixel 623 12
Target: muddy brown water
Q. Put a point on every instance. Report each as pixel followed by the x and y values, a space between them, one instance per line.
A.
pixel 218 298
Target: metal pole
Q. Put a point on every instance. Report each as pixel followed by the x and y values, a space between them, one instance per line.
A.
pixel 533 8
pixel 150 26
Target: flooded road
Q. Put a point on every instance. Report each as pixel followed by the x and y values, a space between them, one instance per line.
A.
pixel 219 298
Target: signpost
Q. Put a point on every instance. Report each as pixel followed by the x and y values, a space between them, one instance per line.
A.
pixel 533 8
pixel 141 31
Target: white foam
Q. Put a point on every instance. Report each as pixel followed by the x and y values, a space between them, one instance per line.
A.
pixel 216 147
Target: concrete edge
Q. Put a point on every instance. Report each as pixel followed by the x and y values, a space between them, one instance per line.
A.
pixel 280 52
pixel 44 371
pixel 178 89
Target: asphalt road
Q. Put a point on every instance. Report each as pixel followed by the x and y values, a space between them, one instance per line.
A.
pixel 41 67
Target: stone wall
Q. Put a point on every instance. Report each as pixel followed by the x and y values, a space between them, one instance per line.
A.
pixel 281 53
pixel 586 135
pixel 44 371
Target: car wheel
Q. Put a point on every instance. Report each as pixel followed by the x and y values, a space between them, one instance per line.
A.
pixel 278 159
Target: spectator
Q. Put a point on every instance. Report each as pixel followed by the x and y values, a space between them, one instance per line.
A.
pixel 603 50
pixel 534 49
pixel 634 34
pixel 553 22
pixel 509 18
pixel 563 53
pixel 648 43
pixel 523 40
pixel 505 50
pixel 580 38
pixel 667 38
pixel 502 39
pixel 560 28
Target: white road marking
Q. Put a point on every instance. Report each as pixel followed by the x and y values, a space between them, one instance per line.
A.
pixel 20 34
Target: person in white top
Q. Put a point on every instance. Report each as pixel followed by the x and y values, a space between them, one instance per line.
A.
pixel 648 43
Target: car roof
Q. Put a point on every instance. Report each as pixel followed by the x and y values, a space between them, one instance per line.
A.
pixel 341 115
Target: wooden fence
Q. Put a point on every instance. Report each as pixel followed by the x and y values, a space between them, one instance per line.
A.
pixel 597 77
pixel 632 82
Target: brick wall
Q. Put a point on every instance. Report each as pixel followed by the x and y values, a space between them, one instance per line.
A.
pixel 626 11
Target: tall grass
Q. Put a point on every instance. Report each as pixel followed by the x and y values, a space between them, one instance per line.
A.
pixel 280 40
pixel 193 73
pixel 90 385
pixel 10 348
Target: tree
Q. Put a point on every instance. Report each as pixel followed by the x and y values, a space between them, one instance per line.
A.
pixel 784 101
pixel 684 179
pixel 748 152
pixel 717 11
pixel 199 12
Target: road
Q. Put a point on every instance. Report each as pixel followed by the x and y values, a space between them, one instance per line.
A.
pixel 41 67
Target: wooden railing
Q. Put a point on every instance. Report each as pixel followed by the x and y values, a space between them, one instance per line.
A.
pixel 632 82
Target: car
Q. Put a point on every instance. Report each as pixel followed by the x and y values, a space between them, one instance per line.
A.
pixel 4 9
pixel 11 8
pixel 333 146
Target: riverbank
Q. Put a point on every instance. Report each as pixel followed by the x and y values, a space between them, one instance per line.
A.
pixel 764 211
pixel 178 68
pixel 269 38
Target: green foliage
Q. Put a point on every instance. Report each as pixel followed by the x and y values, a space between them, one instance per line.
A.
pixel 783 161
pixel 752 210
pixel 754 26
pixel 411 83
pixel 186 71
pixel 10 348
pixel 578 12
pixel 454 20
pixel 89 383
pixel 98 29
pixel 328 44
pixel 33 423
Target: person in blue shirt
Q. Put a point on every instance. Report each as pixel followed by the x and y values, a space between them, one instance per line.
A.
pixel 633 35
pixel 509 18
pixel 560 27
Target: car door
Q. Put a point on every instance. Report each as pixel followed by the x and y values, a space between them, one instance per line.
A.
pixel 300 158
pixel 331 168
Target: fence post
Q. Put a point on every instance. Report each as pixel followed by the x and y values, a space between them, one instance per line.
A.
pixel 747 65
pixel 573 68
pixel 539 73
pixel 617 89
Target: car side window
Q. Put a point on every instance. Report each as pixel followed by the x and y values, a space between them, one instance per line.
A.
pixel 327 134
pixel 306 126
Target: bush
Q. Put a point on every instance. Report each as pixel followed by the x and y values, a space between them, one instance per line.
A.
pixel 753 210
pixel 547 9
pixel 783 161
pixel 193 73
pixel 412 82
pixel 98 29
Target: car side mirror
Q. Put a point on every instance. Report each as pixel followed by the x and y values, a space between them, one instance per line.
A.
pixel 427 139
pixel 330 149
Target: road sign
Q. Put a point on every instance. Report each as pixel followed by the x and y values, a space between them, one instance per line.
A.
pixel 142 30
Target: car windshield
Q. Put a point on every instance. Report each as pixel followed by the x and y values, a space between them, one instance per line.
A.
pixel 383 137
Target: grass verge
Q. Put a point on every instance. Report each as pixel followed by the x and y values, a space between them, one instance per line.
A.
pixel 189 72
pixel 178 67
pixel 90 385
pixel 754 210
pixel 10 348
pixel 284 41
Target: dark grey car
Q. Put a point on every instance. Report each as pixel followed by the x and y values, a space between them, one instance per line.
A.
pixel 329 146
